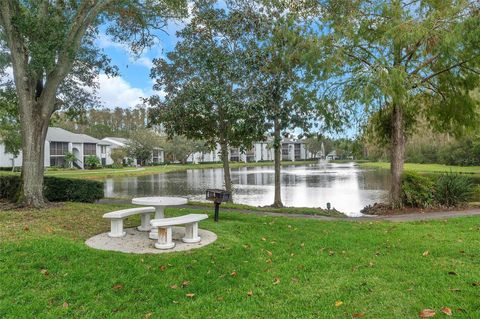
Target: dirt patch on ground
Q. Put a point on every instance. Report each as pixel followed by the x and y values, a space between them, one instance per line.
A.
pixel 9 206
pixel 381 209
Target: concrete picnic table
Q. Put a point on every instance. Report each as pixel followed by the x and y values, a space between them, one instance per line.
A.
pixel 159 202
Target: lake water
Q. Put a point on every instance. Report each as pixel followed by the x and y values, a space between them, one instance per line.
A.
pixel 347 187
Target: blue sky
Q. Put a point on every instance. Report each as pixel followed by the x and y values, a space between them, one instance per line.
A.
pixel 134 81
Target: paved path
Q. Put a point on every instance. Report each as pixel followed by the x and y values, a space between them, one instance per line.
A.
pixel 391 218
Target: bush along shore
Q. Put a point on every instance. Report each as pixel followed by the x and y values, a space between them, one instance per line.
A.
pixel 425 193
pixel 56 189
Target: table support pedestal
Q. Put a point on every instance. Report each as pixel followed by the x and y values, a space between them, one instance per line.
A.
pixel 159 213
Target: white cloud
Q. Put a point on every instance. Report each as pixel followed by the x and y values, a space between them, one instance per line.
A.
pixel 103 41
pixel 115 91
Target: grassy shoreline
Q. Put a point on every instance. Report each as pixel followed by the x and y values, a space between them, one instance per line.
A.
pixel 149 170
pixel 425 168
pixel 288 210
pixel 260 266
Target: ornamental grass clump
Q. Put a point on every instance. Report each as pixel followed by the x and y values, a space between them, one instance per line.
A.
pixel 453 190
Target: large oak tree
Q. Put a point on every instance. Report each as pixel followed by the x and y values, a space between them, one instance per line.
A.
pixel 54 58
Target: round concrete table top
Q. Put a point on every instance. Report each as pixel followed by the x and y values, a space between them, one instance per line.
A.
pixel 159 201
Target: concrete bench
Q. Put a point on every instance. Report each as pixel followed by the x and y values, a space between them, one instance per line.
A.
pixel 117 217
pixel 164 226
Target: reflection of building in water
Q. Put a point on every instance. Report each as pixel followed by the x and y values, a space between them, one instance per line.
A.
pixel 347 187
pixel 292 150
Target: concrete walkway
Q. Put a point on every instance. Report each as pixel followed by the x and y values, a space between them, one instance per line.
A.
pixel 391 218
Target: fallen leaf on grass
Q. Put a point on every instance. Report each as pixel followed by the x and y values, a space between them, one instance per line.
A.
pixel 268 261
pixel 269 253
pixel 358 315
pixel 427 313
pixel 250 293
pixel 174 286
pixel 117 286
pixel 44 272
pixel 426 253
pixel 452 273
pixel 276 281
pixel 26 228
pixel 447 311
pixel 233 274
pixel 190 295
pixel 163 267
pixel 185 283
pixel 148 315
pixel 476 284
pixel 65 305
pixel 338 303
pixel 264 239
pixel 455 289
pixel 220 298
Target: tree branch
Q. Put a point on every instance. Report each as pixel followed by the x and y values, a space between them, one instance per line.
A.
pixel 424 64
pixel 447 69
pixel 17 47
pixel 86 15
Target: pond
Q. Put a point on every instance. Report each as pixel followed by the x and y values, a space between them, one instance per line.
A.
pixel 347 187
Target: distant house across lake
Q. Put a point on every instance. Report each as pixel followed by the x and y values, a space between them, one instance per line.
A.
pixel 58 143
pixel 158 155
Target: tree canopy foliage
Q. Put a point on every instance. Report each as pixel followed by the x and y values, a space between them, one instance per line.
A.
pixel 402 59
pixel 54 57
pixel 9 122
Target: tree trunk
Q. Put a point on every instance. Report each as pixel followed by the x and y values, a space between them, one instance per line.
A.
pixel 397 155
pixel 34 131
pixel 226 168
pixel 277 144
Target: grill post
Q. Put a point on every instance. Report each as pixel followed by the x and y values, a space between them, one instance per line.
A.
pixel 217 208
pixel 217 196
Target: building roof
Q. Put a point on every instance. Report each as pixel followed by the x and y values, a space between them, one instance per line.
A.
pixel 116 141
pixel 121 142
pixel 56 134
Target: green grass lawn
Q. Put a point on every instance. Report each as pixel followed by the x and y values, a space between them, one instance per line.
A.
pixel 260 267
pixel 427 168
pixel 147 170
pixel 287 210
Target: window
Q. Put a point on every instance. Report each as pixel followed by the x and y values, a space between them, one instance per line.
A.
pixel 285 149
pixel 57 153
pixel 297 151
pixel 103 149
pixel 89 149
pixel 156 156
pixel 58 148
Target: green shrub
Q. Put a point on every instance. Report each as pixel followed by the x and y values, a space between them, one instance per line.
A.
pixel 56 189
pixel 453 189
pixel 69 159
pixel 92 162
pixel 417 190
pixel 10 187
